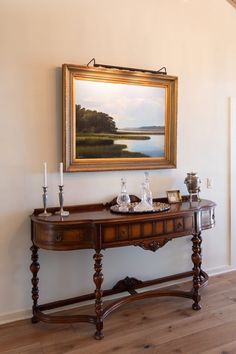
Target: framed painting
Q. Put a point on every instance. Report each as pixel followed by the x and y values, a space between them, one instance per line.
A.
pixel 118 119
pixel 174 196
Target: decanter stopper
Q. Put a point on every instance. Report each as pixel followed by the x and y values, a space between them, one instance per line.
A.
pixel 148 190
pixel 123 199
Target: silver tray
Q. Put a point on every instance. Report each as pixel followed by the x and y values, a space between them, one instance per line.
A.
pixel 157 208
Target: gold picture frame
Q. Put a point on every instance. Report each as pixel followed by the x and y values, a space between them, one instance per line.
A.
pixel 118 119
pixel 174 196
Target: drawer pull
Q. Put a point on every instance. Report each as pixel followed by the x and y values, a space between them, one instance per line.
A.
pixel 59 237
pixel 179 225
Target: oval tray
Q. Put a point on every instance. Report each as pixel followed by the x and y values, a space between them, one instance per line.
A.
pixel 157 208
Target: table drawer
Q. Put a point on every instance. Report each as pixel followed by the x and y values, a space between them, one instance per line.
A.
pixel 130 232
pixel 56 238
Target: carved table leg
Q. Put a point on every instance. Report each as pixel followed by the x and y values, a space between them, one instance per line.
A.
pixel 197 260
pixel 200 265
pixel 98 279
pixel 34 267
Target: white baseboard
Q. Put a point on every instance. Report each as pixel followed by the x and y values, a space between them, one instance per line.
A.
pixel 220 270
pixel 15 316
pixel 25 314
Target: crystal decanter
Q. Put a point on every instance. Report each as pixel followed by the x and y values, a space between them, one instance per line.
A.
pixel 123 199
pixel 148 190
pixel 144 205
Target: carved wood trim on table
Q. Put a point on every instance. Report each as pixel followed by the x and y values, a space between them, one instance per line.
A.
pixel 152 245
pixel 128 284
pixel 94 227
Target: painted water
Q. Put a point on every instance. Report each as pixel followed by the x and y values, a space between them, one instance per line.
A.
pixel 153 147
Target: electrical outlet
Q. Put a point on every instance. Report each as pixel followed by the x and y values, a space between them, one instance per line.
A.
pixel 209 183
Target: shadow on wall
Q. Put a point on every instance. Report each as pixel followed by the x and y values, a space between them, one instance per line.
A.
pixel 58 90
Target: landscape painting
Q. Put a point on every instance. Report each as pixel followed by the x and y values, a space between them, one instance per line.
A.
pixel 116 119
pixel 119 121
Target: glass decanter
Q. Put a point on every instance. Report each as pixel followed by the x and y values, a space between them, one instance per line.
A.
pixel 144 205
pixel 148 190
pixel 123 199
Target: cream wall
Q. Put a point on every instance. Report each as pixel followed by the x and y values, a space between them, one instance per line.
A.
pixel 195 40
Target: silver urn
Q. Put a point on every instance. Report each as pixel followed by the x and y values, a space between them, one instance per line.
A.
pixel 193 182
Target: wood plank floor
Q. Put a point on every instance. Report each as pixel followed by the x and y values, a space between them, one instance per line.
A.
pixel 161 326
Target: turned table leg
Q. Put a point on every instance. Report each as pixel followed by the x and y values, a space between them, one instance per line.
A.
pixel 200 265
pixel 98 279
pixel 197 260
pixel 34 267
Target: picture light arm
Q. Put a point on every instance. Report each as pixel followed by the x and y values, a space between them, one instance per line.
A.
pixel 160 71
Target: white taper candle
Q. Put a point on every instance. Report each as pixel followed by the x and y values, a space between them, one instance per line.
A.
pixel 45 182
pixel 61 173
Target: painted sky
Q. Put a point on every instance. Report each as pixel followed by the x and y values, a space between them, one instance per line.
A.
pixel 129 105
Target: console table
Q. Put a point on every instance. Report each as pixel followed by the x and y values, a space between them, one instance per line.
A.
pixel 95 227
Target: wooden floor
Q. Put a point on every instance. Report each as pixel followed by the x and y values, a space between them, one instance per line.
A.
pixel 161 325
